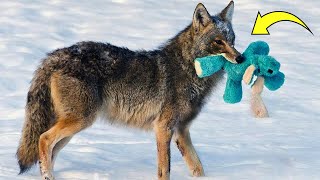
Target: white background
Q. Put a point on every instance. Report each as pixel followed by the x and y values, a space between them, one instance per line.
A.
pixel 231 144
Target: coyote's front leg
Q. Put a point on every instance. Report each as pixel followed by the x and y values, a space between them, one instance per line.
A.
pixel 163 135
pixel 189 154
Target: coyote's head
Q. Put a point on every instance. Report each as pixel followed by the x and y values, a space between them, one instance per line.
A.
pixel 213 35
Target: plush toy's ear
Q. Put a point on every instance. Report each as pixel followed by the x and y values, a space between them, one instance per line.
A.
pixel 258 48
pixel 248 74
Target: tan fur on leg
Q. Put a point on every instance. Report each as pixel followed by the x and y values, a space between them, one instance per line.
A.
pixel 189 154
pixel 57 148
pixel 164 133
pixel 65 127
pixel 257 106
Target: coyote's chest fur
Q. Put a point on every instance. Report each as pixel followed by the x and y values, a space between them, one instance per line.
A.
pixel 116 110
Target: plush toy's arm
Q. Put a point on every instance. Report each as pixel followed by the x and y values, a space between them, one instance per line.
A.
pixel 209 65
pixel 274 82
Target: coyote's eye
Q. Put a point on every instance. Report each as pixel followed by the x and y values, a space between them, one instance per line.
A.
pixel 218 42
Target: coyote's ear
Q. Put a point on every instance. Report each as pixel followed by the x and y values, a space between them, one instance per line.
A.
pixel 227 13
pixel 201 17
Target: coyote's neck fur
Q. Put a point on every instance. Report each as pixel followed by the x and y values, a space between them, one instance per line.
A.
pixel 181 52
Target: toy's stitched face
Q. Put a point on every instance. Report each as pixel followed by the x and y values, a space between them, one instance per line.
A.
pixel 267 66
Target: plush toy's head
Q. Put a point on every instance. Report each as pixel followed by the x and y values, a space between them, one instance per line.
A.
pixel 257 48
pixel 266 66
pixel 262 65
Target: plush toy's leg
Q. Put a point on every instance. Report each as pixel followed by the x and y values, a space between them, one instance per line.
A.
pixel 233 91
pixel 275 82
pixel 257 106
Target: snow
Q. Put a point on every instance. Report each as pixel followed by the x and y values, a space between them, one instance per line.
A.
pixel 230 142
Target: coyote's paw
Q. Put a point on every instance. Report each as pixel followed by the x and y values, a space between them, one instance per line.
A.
pixel 198 172
pixel 47 176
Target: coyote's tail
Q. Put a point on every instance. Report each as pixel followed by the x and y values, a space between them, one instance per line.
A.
pixel 39 116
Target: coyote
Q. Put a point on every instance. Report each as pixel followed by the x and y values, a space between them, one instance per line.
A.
pixel 156 89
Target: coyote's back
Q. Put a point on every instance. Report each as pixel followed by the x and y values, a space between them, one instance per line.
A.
pixel 90 79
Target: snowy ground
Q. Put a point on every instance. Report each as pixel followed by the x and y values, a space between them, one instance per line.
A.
pixel 231 144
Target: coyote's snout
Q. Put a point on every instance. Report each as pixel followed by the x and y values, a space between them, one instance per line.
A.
pixel 228 51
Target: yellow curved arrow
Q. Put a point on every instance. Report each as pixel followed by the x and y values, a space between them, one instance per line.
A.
pixel 264 22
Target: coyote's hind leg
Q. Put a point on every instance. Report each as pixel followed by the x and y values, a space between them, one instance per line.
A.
pixel 64 128
pixel 57 148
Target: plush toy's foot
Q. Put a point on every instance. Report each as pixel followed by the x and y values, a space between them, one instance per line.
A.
pixel 258 108
pixel 198 68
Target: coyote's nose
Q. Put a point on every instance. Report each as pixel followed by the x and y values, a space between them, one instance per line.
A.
pixel 240 59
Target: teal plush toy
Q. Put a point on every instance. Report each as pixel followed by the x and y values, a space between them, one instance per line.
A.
pixel 257 69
